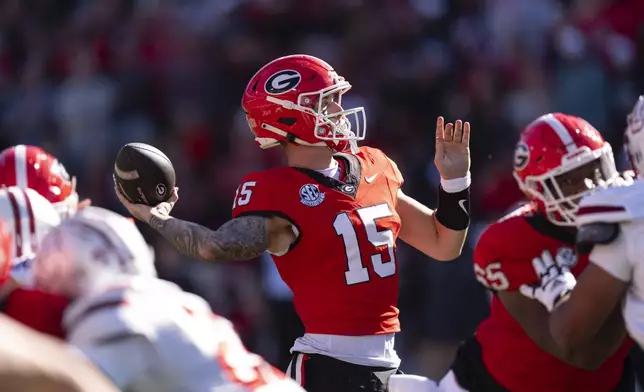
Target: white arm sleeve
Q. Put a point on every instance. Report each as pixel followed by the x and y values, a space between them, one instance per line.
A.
pixel 126 361
pixel 613 258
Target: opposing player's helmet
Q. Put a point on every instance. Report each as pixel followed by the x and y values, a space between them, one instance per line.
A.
pixel 92 248
pixel 559 159
pixel 634 137
pixel 297 99
pixel 32 167
pixel 28 217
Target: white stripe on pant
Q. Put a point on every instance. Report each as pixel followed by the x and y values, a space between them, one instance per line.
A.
pixel 296 371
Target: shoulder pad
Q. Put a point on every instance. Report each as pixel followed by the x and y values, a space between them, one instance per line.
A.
pixel 267 176
pixel 367 149
pixel 615 204
pixel 496 265
pixel 256 191
pixel 595 233
pixel 518 209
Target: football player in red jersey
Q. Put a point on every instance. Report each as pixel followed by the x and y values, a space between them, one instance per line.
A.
pixel 559 159
pixel 330 219
pixel 610 230
pixel 32 167
pixel 39 188
pixel 28 216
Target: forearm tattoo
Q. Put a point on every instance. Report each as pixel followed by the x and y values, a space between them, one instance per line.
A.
pixel 238 239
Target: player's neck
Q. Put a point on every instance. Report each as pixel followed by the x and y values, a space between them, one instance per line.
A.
pixel 307 157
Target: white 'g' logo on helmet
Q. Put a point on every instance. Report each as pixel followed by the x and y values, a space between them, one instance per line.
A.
pixel 521 156
pixel 282 82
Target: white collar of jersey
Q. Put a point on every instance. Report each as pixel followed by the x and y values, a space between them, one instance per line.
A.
pixel 333 171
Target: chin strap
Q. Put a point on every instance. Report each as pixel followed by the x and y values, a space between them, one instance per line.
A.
pixel 353 145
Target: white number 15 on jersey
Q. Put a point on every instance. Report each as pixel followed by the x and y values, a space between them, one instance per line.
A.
pixel 357 272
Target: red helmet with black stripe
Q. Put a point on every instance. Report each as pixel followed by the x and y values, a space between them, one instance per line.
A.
pixel 32 167
pixel 28 217
pixel 559 159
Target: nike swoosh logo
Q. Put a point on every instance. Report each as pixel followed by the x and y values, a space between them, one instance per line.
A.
pixel 369 180
pixel 126 175
pixel 461 203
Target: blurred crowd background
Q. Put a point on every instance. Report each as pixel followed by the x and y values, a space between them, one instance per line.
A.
pixel 82 77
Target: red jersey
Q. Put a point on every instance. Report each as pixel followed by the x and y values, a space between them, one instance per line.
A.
pixel 36 309
pixel 342 267
pixel 503 261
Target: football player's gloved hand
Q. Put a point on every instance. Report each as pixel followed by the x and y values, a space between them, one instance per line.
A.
pixel 625 178
pixel 555 282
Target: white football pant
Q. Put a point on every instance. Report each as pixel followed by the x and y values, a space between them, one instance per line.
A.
pixel 449 384
pixel 411 383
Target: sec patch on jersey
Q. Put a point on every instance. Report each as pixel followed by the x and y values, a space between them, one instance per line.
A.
pixel 144 174
pixel 310 195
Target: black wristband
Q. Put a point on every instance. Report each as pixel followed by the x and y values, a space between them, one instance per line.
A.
pixel 453 209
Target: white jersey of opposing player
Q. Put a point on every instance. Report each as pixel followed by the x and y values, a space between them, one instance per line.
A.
pixel 149 335
pixel 29 217
pixel 634 137
pixel 623 257
pixel 87 248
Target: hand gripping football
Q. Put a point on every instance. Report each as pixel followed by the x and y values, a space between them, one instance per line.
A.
pixel 144 174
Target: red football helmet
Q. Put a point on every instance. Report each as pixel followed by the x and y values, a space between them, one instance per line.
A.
pixel 559 159
pixel 32 167
pixel 297 99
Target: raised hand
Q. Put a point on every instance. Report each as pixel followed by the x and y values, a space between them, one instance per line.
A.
pixel 452 157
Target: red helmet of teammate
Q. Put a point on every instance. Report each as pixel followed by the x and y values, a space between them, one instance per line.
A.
pixel 298 99
pixel 558 160
pixel 28 217
pixel 32 167
pixel 5 252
